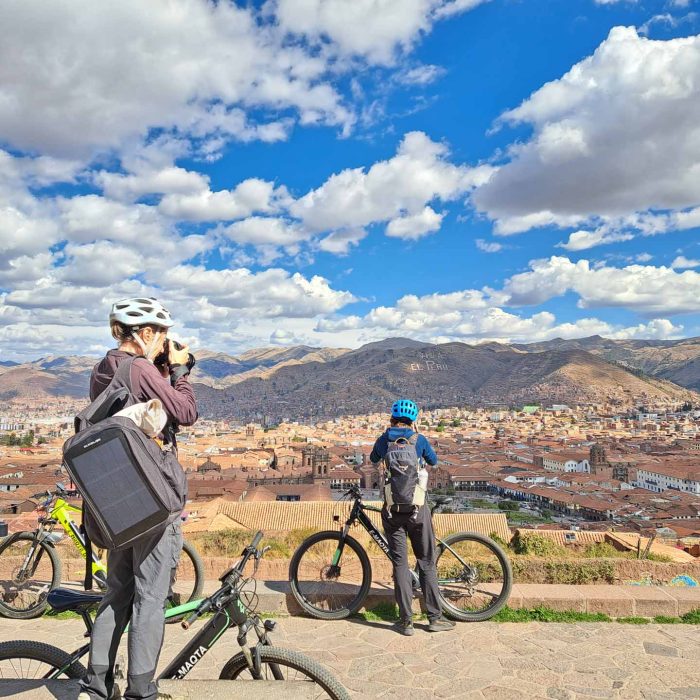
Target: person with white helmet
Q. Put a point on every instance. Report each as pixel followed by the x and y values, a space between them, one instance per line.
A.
pixel 139 577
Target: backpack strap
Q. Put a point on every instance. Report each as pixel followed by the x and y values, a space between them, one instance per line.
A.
pixel 87 580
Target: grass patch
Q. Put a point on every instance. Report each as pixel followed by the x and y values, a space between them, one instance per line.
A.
pixel 543 614
pixel 666 620
pixel 633 620
pixel 692 617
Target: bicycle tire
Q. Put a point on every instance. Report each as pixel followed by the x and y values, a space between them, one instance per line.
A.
pixel 38 609
pixel 479 616
pixel 38 651
pixel 355 603
pixel 198 566
pixel 237 665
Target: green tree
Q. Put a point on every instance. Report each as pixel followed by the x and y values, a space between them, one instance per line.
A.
pixel 509 505
pixel 456 423
pixel 28 439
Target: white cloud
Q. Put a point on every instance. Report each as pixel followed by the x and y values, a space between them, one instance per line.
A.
pixel 260 231
pixel 488 246
pixel 421 75
pixel 469 316
pixel 229 294
pixel 78 77
pixel 683 263
pixel 340 242
pixel 415 226
pixel 646 289
pixel 401 186
pixel 618 134
pixel 378 31
pixel 251 195
pixel 168 180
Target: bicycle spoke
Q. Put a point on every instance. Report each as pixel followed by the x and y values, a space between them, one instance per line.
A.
pixel 470 576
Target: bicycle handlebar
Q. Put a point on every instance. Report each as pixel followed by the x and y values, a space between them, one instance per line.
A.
pixel 229 579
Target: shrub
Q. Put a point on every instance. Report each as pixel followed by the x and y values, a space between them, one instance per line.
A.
pixel 537 546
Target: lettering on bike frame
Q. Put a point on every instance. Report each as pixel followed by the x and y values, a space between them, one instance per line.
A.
pixel 233 614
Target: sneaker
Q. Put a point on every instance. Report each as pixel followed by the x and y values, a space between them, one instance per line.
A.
pixel 442 624
pixel 405 627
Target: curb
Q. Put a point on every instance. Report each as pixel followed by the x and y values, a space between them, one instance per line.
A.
pixel 615 601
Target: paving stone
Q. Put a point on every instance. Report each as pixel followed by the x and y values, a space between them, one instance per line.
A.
pixel 660 649
pixel 693 692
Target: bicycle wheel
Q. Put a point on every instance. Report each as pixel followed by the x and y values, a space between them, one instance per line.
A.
pixel 24 584
pixel 474 576
pixel 324 590
pixel 189 580
pixel 24 659
pixel 286 665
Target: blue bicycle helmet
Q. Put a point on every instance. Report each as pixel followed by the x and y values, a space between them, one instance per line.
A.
pixel 404 408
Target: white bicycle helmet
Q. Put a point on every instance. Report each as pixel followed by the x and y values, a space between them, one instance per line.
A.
pixel 139 311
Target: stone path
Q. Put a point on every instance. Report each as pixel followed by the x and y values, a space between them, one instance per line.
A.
pixel 487 660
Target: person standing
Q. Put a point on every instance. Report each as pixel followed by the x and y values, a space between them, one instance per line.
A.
pixel 139 577
pixel 406 516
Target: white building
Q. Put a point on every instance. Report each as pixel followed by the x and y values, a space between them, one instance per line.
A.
pixel 660 478
pixel 565 462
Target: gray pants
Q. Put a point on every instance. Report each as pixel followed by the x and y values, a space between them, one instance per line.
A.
pixel 138 581
pixel 420 531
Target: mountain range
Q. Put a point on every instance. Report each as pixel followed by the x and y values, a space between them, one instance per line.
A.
pixel 302 382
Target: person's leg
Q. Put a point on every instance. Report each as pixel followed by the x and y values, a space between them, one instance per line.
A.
pixel 153 563
pixel 110 622
pixel 396 536
pixel 420 532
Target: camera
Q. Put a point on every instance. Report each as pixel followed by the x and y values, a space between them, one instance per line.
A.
pixel 163 358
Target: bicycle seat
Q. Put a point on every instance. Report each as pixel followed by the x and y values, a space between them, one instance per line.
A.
pixel 62 599
pixel 442 500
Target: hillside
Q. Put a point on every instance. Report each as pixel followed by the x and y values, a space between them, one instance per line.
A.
pixel 675 360
pixel 305 382
pixel 454 373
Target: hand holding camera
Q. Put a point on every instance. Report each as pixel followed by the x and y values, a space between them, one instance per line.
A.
pixel 174 353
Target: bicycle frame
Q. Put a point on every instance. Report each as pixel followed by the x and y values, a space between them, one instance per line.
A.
pixel 62 512
pixel 357 514
pixel 229 614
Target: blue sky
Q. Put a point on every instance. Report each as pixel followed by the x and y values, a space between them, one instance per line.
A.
pixel 333 172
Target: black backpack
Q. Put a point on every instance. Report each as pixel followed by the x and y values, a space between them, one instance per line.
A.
pixel 131 488
pixel 405 480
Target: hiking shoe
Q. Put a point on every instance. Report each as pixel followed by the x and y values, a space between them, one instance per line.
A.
pixel 442 624
pixel 405 627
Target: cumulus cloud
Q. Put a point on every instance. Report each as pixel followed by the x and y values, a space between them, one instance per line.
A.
pixel 645 289
pixel 469 316
pixel 117 71
pixel 616 135
pixel 683 263
pixel 377 31
pixel 401 186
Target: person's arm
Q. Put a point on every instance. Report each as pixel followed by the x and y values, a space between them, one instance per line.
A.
pixel 426 451
pixel 379 450
pixel 178 400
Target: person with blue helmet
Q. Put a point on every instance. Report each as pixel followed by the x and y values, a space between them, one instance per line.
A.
pixel 415 525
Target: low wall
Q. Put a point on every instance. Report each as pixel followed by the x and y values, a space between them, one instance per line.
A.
pixel 525 569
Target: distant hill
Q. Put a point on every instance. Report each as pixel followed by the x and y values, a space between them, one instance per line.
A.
pixel 675 360
pixel 305 382
pixel 369 378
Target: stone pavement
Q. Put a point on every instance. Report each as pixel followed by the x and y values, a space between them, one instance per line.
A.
pixel 486 660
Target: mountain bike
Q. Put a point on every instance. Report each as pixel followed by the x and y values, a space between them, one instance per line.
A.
pixel 330 573
pixel 232 606
pixel 30 566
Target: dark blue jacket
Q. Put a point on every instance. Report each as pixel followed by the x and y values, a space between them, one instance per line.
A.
pixel 423 447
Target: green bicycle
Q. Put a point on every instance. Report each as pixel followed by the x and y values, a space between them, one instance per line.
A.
pixel 233 605
pixel 30 566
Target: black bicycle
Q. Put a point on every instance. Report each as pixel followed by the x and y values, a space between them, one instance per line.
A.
pixel 330 573
pixel 232 606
